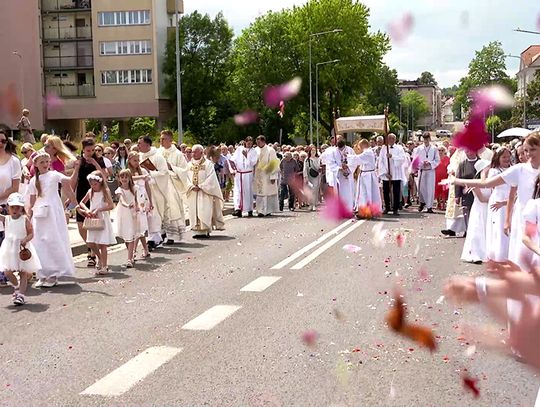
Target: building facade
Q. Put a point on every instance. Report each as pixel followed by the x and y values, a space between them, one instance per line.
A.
pixel 99 59
pixel 433 96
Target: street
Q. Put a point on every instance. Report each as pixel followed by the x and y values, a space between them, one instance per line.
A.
pixel 198 325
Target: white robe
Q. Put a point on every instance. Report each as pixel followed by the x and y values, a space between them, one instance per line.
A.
pixel 429 160
pixel 397 172
pixel 367 190
pixel 243 179
pixel 266 171
pixel 498 240
pixel 176 224
pixel 205 205
pixel 337 178
pixel 474 248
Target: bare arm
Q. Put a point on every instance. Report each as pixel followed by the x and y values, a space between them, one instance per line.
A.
pixel 509 210
pixel 480 183
pixel 14 188
pixel 82 208
pixel 29 232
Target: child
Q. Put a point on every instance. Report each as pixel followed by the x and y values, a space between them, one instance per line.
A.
pixel 125 225
pixel 148 217
pixel 100 205
pixel 49 222
pixel 18 234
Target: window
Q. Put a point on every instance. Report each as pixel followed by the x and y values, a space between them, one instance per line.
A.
pixel 111 18
pixel 126 47
pixel 126 77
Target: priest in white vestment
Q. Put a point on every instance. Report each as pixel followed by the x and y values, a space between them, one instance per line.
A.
pixel 176 224
pixel 392 176
pixel 265 179
pixel 243 162
pixel 156 165
pixel 204 196
pixel 338 173
pixel 428 159
pixel 367 191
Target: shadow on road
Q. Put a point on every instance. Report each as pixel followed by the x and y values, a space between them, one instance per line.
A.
pixel 31 307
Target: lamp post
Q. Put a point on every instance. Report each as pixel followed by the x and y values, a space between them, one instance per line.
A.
pixel 311 36
pixel 524 87
pixel 519 30
pixel 178 79
pixel 21 75
pixel 334 61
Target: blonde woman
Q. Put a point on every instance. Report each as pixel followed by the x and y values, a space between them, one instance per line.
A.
pixel 59 153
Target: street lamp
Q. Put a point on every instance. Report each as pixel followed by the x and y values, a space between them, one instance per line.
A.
pixel 21 74
pixel 178 79
pixel 524 87
pixel 311 36
pixel 334 61
pixel 519 30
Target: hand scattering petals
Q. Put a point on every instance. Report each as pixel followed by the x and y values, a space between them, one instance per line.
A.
pixel 471 384
pixel 310 337
pixel 417 333
pixel 379 235
pixel 273 95
pixel 401 28
pixel 335 210
pixel 245 118
pixel 474 136
pixel 351 248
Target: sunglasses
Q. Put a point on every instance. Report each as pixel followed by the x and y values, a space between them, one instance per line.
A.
pixel 3 141
pixel 98 150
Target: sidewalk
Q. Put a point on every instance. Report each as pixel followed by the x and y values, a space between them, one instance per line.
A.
pixel 77 244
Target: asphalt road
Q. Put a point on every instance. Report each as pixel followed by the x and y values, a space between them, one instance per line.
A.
pixel 178 330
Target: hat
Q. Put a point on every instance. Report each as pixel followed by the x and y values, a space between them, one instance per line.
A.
pixel 481 165
pixel 15 199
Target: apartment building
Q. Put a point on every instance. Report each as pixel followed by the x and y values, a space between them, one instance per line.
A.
pixel 432 120
pixel 99 59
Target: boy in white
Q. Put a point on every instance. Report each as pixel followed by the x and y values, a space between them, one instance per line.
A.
pixel 338 174
pixel 392 175
pixel 429 160
pixel 243 162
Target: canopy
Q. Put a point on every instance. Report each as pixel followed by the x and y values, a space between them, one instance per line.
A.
pixel 514 132
pixel 359 124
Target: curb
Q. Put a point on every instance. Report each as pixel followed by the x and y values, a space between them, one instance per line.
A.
pixel 80 248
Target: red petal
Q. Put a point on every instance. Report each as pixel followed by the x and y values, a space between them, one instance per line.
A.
pixel 335 210
pixel 473 137
pixel 472 385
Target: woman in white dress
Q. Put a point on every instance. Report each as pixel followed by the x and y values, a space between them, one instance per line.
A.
pixel 523 176
pixel 498 240
pixel 312 175
pixel 367 189
pixel 51 237
pixel 474 248
pixel 101 204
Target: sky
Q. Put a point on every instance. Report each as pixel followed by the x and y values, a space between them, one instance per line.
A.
pixel 444 36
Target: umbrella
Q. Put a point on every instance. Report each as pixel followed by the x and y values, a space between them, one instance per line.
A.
pixel 514 132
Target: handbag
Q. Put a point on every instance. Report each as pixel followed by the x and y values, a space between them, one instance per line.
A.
pixel 93 224
pixel 40 211
pixel 25 254
pixel 313 173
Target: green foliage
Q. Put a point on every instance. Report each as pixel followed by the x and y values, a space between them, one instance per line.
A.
pixel 446 92
pixel 93 125
pixel 426 78
pixel 141 126
pixel 414 104
pixel 532 103
pixel 493 124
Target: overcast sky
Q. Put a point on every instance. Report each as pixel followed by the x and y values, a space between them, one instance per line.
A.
pixel 445 35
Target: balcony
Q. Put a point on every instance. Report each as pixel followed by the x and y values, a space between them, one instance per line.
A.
pixel 67 34
pixel 68 62
pixel 58 6
pixel 70 90
pixel 171 6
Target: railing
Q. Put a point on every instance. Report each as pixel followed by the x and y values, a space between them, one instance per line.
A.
pixel 69 61
pixel 70 33
pixel 71 90
pixel 65 5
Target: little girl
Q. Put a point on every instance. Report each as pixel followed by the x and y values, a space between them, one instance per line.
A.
pixel 18 233
pixel 49 222
pixel 100 205
pixel 148 217
pixel 125 225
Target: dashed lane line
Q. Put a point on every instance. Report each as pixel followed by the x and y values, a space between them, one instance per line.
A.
pixel 260 284
pixel 211 317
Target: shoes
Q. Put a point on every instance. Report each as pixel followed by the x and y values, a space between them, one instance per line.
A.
pixel 169 242
pixel 91 261
pixel 448 232
pixel 260 215
pixel 18 299
pixel 237 213
pixel 51 282
pixel 421 207
pixel 39 283
pixel 395 213
pixel 250 214
pixel 291 209
pixel 129 264
pixel 465 235
pixel 386 212
pixel 151 245
pixel 407 205
pixel 430 210
pixel 477 262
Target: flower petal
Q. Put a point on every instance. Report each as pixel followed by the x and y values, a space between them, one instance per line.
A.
pixel 274 95
pixel 245 118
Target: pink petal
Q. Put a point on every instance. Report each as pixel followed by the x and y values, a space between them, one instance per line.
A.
pixel 310 337
pixel 400 239
pixel 490 97
pixel 401 28
pixel 335 210
pixel 376 210
pixel 273 95
pixel 416 163
pixel 351 248
pixel 474 136
pixel 52 100
pixel 245 118
pixel 379 235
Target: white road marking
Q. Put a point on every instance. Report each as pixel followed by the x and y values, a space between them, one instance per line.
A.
pixel 211 317
pixel 130 373
pixel 260 284
pixel 310 246
pixel 326 246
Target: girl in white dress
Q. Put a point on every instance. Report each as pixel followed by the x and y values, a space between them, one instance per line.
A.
pixel 149 221
pixel 367 190
pixel 51 237
pixel 498 240
pixel 125 219
pixel 100 205
pixel 18 234
pixel 474 248
pixel 523 176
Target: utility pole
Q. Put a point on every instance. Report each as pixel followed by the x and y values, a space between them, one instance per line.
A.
pixel 178 78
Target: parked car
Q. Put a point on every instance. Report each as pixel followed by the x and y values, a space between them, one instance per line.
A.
pixel 443 133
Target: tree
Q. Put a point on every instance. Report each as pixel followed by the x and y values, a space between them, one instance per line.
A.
pixel 427 78
pixel 493 124
pixel 206 48
pixel 451 91
pixel 415 105
pixel 141 126
pixel 532 103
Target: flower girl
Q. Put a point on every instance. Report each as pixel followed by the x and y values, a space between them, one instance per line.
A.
pixel 125 221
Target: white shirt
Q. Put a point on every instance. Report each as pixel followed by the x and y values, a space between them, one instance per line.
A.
pixel 396 163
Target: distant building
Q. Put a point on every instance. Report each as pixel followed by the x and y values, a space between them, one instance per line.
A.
pixel 447 110
pixel 432 93
pixel 71 60
pixel 529 64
